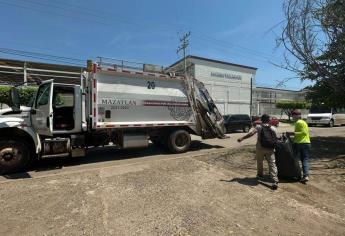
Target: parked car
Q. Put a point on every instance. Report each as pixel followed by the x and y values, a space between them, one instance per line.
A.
pixel 274 121
pixel 237 122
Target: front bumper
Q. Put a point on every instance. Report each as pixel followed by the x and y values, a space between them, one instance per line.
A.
pixel 318 122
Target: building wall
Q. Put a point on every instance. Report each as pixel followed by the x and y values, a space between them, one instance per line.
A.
pixel 232 95
pixel 229 85
pixel 264 100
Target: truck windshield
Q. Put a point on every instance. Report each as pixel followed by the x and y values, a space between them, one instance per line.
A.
pixel 320 109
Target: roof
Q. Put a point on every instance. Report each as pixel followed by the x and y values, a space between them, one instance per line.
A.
pixel 215 61
pixel 287 90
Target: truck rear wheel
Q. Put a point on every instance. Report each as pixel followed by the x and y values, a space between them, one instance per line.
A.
pixel 179 141
pixel 14 156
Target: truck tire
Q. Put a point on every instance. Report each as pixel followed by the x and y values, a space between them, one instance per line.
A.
pixel 14 156
pixel 246 128
pixel 331 123
pixel 179 141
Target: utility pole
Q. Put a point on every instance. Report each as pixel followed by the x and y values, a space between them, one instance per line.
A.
pixel 190 84
pixel 25 74
pixel 251 97
pixel 184 44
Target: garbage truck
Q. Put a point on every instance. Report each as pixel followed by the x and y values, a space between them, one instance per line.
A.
pixel 112 105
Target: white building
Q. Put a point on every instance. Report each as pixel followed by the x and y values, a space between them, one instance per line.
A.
pixel 264 100
pixel 229 84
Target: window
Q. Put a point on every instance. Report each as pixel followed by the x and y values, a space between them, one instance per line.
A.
pixel 63 100
pixel 43 95
pixel 320 109
pixel 265 94
pixel 245 117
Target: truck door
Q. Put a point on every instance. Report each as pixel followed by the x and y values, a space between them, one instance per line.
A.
pixel 42 110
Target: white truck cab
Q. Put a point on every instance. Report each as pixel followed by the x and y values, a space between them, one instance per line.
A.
pixel 111 106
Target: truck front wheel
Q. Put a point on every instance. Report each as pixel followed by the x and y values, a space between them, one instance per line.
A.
pixel 179 141
pixel 14 156
pixel 331 123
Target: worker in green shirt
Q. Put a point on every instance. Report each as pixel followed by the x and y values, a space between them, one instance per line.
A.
pixel 301 143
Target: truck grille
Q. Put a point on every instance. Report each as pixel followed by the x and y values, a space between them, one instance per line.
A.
pixel 316 118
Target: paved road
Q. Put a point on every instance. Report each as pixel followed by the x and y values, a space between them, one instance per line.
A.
pixel 108 157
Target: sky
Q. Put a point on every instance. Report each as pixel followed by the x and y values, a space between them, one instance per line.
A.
pixel 242 32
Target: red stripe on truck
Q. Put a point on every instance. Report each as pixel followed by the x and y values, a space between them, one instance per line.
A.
pixel 165 103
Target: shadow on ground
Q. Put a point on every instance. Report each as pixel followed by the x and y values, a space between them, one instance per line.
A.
pixel 249 181
pixel 328 147
pixel 104 154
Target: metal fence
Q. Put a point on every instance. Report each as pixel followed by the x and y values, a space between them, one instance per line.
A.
pixel 18 72
pixel 128 65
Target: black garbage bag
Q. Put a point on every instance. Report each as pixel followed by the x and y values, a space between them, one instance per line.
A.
pixel 287 165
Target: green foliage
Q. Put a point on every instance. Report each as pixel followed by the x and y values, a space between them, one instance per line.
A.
pixel 314 34
pixel 287 106
pixel 4 94
pixel 26 94
pixel 320 93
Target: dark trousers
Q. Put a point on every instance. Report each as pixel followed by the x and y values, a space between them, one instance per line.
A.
pixel 302 152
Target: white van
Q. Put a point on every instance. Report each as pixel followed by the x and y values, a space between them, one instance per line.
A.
pixel 322 115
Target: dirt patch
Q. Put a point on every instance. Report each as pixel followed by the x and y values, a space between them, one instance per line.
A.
pixel 204 195
pixel 318 205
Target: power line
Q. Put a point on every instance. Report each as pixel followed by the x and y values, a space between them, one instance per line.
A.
pixel 224 43
pixel 50 12
pixel 200 35
pixel 236 53
pixel 40 56
pixel 219 43
pixel 79 9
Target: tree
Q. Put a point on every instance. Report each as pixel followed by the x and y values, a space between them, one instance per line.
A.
pixel 26 95
pixel 322 94
pixel 287 106
pixel 314 34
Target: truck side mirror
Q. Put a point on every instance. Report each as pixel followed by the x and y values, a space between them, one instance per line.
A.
pixel 14 99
